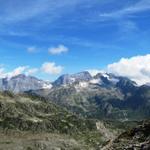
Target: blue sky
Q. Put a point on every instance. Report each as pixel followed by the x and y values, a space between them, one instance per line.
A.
pixel 49 38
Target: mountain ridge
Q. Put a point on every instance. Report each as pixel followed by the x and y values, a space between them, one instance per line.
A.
pixel 101 96
pixel 89 110
pixel 33 83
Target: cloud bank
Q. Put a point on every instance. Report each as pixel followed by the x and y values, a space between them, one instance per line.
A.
pixel 136 68
pixel 47 68
pixel 15 72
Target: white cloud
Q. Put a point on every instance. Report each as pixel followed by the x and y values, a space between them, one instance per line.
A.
pixel 58 50
pixel 136 68
pixel 15 72
pixel 47 67
pixel 32 49
pixel 94 72
pixel 51 68
pixel 32 71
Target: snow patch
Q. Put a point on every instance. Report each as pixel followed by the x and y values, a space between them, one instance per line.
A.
pixel 47 86
pixel 114 80
pixel 83 84
pixel 105 75
pixel 95 81
pixel 73 80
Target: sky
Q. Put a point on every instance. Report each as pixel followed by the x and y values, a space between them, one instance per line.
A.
pixel 47 38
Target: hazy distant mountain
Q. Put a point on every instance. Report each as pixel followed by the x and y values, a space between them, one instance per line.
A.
pixel 21 83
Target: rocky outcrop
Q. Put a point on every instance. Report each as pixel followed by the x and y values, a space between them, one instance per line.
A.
pixel 135 139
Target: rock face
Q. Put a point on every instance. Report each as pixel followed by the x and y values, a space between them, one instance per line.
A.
pixel 23 83
pixel 70 79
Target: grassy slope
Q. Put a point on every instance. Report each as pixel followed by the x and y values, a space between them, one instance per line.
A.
pixel 31 122
pixel 33 115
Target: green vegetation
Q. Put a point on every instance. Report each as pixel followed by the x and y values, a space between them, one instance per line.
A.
pixel 25 113
pixel 33 114
pixel 31 122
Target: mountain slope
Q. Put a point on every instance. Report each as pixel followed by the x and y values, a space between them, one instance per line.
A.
pixel 21 83
pixel 102 96
pixel 25 113
pixel 70 79
pixel 24 117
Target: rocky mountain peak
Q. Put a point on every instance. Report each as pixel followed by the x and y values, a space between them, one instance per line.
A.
pixel 22 83
pixel 70 79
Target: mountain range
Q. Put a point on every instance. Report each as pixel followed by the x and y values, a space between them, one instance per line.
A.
pixel 75 112
pixel 101 96
pixel 22 83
